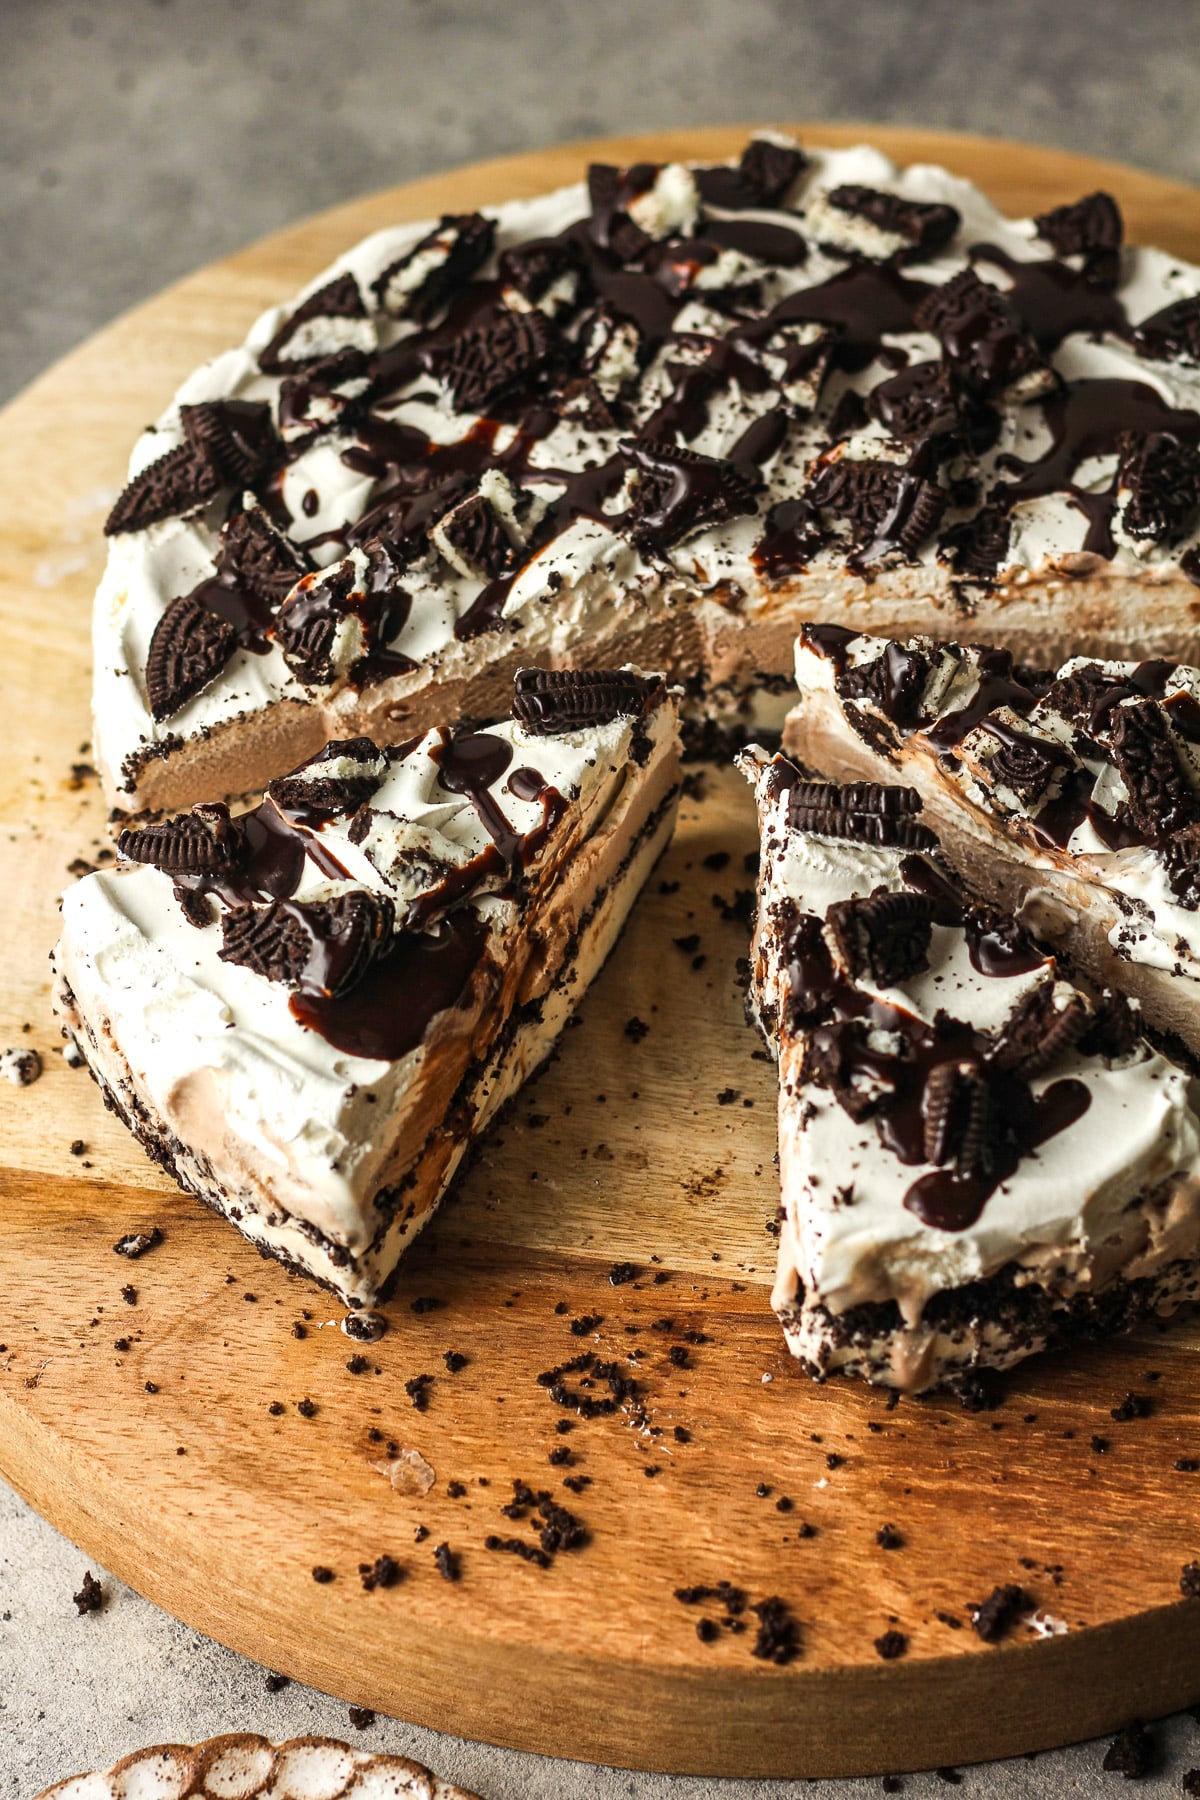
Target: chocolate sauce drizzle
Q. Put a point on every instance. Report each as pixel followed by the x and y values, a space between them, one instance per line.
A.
pixel 424 975
pixel 384 1005
pixel 1086 419
pixel 618 271
pixel 851 1038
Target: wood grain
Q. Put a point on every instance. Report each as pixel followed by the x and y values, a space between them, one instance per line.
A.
pixel 658 1151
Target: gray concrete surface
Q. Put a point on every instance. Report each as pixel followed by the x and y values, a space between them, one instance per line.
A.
pixel 76 1693
pixel 140 139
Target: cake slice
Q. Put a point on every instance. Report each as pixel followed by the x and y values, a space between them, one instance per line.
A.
pixel 307 1013
pixel 1073 796
pixel 978 1159
pixel 665 417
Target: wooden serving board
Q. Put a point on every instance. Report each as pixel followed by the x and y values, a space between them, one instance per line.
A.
pixel 165 1460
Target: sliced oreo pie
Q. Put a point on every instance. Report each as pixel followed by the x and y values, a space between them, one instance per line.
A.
pixel 1072 794
pixel 980 1158
pixel 308 1011
pixel 665 416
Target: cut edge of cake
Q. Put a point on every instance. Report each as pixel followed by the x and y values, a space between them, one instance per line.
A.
pixel 1120 917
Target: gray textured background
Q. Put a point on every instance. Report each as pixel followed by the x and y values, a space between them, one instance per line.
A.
pixel 142 138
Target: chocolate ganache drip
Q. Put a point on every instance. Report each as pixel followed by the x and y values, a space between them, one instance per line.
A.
pixel 369 980
pixel 944 1091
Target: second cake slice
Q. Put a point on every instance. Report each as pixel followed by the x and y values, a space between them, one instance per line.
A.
pixel 309 1012
pixel 978 1159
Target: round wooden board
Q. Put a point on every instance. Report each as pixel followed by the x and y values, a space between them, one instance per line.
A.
pixel 164 1460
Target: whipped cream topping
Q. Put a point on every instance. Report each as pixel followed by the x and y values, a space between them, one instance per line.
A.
pixel 1095 768
pixel 775 317
pixel 1109 1178
pixel 448 849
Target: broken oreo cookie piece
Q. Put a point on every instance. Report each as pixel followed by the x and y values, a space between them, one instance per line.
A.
pixel 545 272
pixel 334 784
pixel 1181 859
pixel 181 482
pixel 957 1118
pixel 763 177
pixel 495 362
pixel 894 682
pixel 1161 798
pixel 236 437
pixel 905 228
pixel 811 975
pixel 680 491
pixel 205 841
pixel 633 207
pixel 1173 334
pixel 270 941
pixel 189 647
pixel 888 506
pixel 864 812
pixel 256 556
pixel 547 701
pixel 1091 228
pixel 986 343
pixel 327 945
pixel 423 280
pixel 325 395
pixel 885 937
pixel 1047 1022
pixel 331 320
pixel 976 548
pixel 480 534
pixel 1161 476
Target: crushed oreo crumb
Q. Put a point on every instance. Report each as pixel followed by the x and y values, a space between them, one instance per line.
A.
pixel 778 1636
pixel 994 1616
pixel 448 1563
pixel 1131 1753
pixel 137 1243
pixel 384 1572
pixel 90 1597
